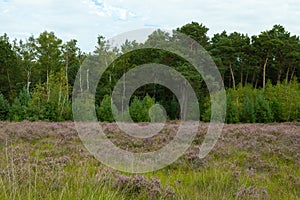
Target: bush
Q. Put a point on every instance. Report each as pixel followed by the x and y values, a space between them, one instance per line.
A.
pixel 232 115
pixel 67 111
pixel 50 112
pixel 138 111
pixel 19 109
pixel 263 113
pixel 104 112
pixel 287 97
pixel 277 110
pixel 157 113
pixel 83 109
pixel 247 114
pixel 206 115
pixel 173 109
pixel 148 102
pixel 4 108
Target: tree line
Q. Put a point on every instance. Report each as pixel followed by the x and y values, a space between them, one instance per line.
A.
pixel 260 73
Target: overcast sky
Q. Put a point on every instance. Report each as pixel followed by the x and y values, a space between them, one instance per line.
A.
pixel 85 19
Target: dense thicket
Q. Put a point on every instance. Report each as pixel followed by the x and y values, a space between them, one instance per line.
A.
pixel 261 74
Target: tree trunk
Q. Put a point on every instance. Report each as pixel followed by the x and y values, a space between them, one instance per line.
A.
pixel 241 81
pixel 80 80
pixel 192 46
pixel 124 92
pixel 8 79
pixel 223 76
pixel 232 75
pixel 154 94
pixel 264 73
pixel 60 93
pixel 27 70
pixel 256 83
pixel 28 80
pixel 87 80
pixel 184 101
pixel 253 77
pixel 292 75
pixel 241 75
pixel 66 72
pixel 63 106
pixel 110 78
pixel 48 87
pixel 246 79
pixel 279 75
pixel 287 74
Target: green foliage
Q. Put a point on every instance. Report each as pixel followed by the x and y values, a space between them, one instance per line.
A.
pixel 273 104
pixel 105 111
pixel 157 113
pixel 173 109
pixel 37 104
pixel 218 114
pixel 196 31
pixel 148 102
pixel 4 108
pixel 19 109
pixel 277 110
pixel 284 100
pixel 263 112
pixel 50 112
pixel 84 109
pixel 247 113
pixel 49 54
pixel 50 101
pixel 138 111
pixel 66 111
pixel 193 111
pixel 206 114
pixel 232 115
pixel 47 67
pixel 8 68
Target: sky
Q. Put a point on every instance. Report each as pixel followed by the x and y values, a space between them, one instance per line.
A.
pixel 84 20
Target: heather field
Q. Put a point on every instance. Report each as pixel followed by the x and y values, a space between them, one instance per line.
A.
pixel 40 160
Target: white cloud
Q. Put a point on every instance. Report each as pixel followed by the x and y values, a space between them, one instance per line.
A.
pixel 85 19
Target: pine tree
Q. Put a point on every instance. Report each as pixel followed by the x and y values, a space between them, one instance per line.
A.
pixel 247 113
pixel 232 115
pixel 263 111
pixel 19 108
pixel 137 110
pixel 105 112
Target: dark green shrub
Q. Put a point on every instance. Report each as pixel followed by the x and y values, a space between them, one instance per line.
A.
pixel 148 102
pixel 105 112
pixel 247 114
pixel 232 115
pixel 137 110
pixel 277 110
pixel 263 112
pixel 4 108
pixel 19 109
pixel 67 111
pixel 84 109
pixel 206 114
pixel 157 113
pixel 173 109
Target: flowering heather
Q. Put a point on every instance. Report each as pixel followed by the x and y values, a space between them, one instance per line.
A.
pixel 40 160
